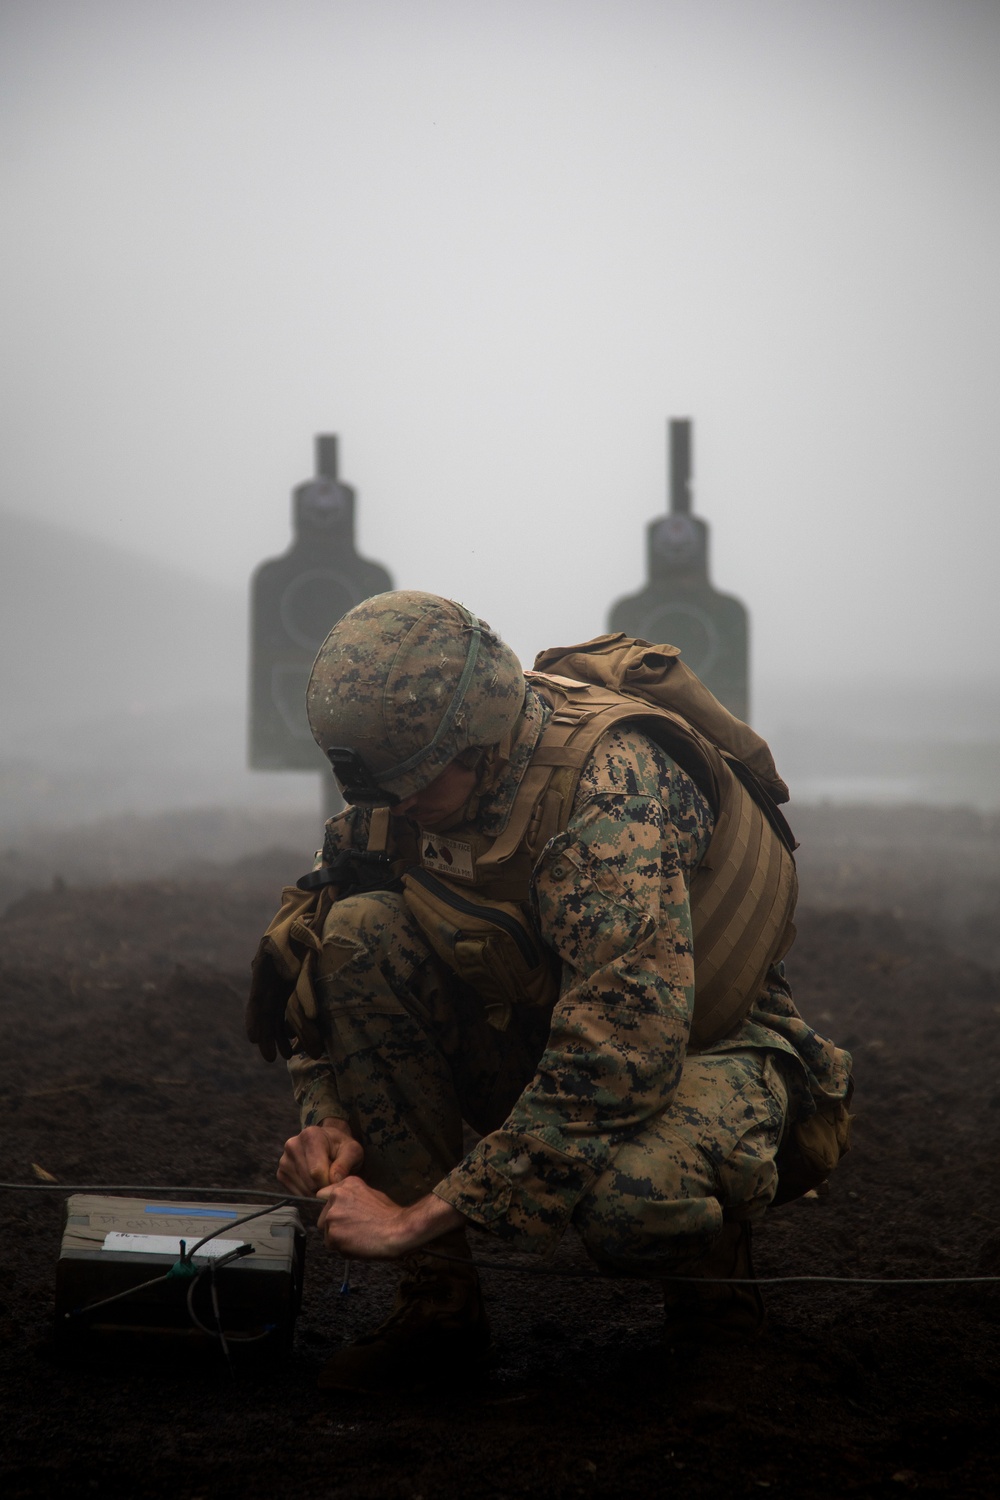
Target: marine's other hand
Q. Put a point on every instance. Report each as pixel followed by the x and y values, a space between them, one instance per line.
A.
pixel 360 1221
pixel 318 1156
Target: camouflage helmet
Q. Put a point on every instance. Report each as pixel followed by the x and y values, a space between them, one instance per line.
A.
pixel 402 685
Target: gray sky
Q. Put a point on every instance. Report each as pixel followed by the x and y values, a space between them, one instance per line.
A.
pixel 494 246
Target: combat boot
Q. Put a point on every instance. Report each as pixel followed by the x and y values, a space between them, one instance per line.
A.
pixel 722 1308
pixel 436 1333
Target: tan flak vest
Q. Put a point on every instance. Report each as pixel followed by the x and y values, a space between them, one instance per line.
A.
pixel 742 894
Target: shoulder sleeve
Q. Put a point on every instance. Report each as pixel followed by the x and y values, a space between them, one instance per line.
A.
pixel 348 830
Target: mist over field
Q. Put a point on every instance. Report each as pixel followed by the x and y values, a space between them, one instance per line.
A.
pixel 494 248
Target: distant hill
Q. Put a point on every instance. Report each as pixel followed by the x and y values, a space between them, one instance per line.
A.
pixel 93 633
pixel 122 685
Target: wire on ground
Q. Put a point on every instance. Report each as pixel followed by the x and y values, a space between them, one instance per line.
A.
pixel 280 1199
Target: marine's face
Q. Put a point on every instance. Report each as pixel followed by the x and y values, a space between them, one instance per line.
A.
pixel 441 799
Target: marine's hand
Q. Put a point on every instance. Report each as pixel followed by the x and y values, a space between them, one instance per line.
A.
pixel 358 1221
pixel 318 1156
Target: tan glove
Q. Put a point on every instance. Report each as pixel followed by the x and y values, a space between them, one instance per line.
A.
pixel 265 1013
pixel 281 989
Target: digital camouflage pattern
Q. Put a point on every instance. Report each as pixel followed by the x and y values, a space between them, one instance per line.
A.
pixel 391 676
pixel 595 1112
pixel 660 1203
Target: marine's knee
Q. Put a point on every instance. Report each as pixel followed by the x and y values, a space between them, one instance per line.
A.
pixel 371 951
pixel 625 1228
pixel 371 924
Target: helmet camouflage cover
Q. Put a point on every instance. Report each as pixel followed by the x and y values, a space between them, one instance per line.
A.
pixel 406 681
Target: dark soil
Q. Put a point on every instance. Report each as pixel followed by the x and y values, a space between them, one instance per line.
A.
pixel 122 1059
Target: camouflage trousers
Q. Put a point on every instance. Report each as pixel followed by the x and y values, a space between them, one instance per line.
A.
pixel 413 1057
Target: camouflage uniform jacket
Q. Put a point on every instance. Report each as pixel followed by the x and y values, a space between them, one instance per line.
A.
pixel 610 896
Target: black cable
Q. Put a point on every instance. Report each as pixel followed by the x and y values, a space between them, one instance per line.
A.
pixel 146 1190
pixel 285 1198
pixel 233 1338
pixel 218 1319
pixel 235 1224
pixel 77 1312
pixel 192 1287
pixel 485 1265
pixel 218 1332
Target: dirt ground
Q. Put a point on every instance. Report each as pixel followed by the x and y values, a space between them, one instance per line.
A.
pixel 122 1059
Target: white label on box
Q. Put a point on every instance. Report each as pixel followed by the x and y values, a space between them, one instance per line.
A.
pixel 167 1244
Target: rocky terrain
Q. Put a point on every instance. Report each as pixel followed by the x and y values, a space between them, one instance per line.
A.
pixel 122 1059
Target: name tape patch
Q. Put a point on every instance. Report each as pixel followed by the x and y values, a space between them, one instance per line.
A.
pixel 447 857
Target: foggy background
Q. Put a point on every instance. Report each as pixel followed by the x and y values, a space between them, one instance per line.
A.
pixel 494 246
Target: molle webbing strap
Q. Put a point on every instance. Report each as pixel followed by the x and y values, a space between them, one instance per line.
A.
pixel 545 796
pixel 566 744
pixel 378 830
pixel 529 794
pixel 742 899
pixel 550 753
